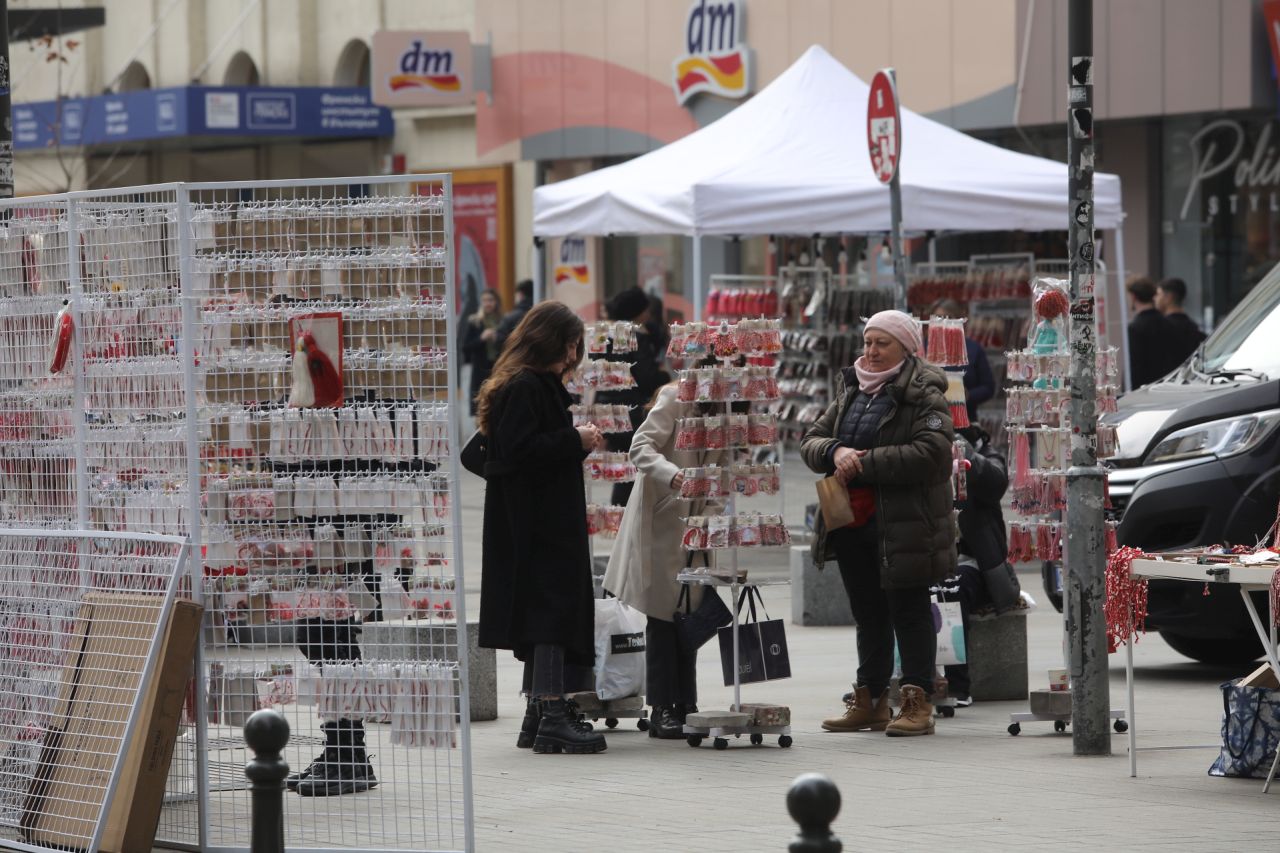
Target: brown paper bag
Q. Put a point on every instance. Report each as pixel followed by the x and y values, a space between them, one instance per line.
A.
pixel 833 498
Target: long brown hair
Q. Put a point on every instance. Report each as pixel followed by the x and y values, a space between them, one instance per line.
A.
pixel 538 343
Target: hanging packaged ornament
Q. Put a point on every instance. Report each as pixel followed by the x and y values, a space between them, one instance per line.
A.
pixel 956 399
pixel 317 361
pixel 60 345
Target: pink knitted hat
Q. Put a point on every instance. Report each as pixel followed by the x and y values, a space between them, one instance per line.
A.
pixel 902 326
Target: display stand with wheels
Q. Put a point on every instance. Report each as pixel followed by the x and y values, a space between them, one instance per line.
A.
pixel 747 376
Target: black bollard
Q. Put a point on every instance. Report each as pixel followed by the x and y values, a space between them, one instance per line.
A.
pixel 266 733
pixel 814 801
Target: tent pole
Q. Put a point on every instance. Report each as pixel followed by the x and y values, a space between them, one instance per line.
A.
pixel 1123 297
pixel 697 276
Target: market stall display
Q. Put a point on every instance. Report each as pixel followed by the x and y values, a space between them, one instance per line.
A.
pixel 735 387
pixel 263 368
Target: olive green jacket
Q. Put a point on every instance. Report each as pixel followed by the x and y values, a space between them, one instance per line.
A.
pixel 910 470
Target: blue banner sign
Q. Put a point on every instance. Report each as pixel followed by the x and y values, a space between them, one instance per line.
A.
pixel 316 112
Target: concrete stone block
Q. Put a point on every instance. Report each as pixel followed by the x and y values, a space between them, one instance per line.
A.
pixel 817 597
pixel 997 653
pixel 717 719
pixel 1051 703
pixel 424 640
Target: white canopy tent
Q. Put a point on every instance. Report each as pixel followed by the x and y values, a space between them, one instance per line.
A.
pixel 793 160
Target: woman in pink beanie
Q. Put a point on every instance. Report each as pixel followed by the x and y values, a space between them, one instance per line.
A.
pixel 888 438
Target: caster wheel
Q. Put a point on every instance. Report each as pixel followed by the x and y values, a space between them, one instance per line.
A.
pixel 720 743
pixel 1059 726
pixel 1015 729
pixel 1121 726
pixel 611 723
pixel 756 740
pixel 642 725
pixel 784 741
pixel 947 711
pixel 694 741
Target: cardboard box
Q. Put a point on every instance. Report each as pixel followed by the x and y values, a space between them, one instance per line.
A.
pixel 1263 676
pixel 101 679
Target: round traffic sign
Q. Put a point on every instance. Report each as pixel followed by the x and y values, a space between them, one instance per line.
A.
pixel 884 126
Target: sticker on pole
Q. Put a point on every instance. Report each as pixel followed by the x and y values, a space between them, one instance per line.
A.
pixel 884 126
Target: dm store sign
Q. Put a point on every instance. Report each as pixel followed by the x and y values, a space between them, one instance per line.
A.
pixel 716 58
pixel 421 69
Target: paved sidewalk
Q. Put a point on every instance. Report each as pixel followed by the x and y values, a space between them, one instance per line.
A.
pixel 970 787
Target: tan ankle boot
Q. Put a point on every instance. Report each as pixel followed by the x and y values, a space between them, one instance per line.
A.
pixel 915 717
pixel 861 714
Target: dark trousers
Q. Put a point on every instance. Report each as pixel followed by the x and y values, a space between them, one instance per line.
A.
pixel 334 641
pixel 546 673
pixel 883 614
pixel 971 593
pixel 671 672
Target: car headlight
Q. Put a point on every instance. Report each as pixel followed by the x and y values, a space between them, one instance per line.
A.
pixel 1226 437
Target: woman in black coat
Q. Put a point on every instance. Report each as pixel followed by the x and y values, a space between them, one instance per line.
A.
pixel 536 593
pixel 480 347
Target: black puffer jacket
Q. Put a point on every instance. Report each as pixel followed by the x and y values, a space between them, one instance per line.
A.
pixel 910 470
pixel 981 518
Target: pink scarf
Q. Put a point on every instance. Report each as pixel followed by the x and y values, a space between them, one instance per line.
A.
pixel 871 382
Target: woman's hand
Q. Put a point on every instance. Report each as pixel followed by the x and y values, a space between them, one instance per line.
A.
pixel 848 464
pixel 592 438
pixel 677 481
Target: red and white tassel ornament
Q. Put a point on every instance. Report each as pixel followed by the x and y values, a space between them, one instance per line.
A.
pixel 316 382
pixel 60 344
pixel 1126 605
pixel 956 399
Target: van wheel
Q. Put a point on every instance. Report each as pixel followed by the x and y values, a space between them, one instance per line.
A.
pixel 1238 652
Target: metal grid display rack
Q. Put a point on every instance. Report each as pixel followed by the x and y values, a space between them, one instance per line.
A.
pixel 747 386
pixel 263 368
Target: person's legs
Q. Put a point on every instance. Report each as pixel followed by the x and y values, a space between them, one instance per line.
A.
pixel 911 613
pixel 665 673
pixel 559 729
pixel 971 592
pixel 858 555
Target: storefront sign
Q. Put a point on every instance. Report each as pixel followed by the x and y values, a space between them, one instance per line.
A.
pixel 314 112
pixel 884 127
pixel 572 281
pixel 716 58
pixel 418 68
pixel 571 266
pixel 1222 148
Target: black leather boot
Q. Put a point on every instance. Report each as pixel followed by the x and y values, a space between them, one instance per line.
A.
pixel 330 743
pixel 345 768
pixel 665 723
pixel 529 725
pixel 560 731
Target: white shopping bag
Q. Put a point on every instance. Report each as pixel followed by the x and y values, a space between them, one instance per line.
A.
pixel 950 625
pixel 620 662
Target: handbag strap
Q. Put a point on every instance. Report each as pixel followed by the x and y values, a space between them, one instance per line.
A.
pixel 748 597
pixel 684 600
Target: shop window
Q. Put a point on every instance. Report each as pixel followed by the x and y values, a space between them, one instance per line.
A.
pixel 353 65
pixel 134 78
pixel 241 71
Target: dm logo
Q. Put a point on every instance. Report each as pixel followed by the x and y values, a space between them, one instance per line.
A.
pixel 425 69
pixel 572 268
pixel 716 57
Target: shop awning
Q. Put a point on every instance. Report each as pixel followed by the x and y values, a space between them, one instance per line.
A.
pixel 793 160
pixel 316 112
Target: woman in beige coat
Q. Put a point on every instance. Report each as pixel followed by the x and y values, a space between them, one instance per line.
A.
pixel 648 556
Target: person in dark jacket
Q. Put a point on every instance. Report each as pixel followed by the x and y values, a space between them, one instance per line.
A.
pixel 480 347
pixel 1184 335
pixel 979 383
pixel 524 303
pixel 634 306
pixel 983 577
pixel 536 591
pixel 1148 335
pixel 888 438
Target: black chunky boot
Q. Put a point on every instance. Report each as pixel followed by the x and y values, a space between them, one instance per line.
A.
pixel 560 730
pixel 345 768
pixel 529 725
pixel 665 724
pixel 330 745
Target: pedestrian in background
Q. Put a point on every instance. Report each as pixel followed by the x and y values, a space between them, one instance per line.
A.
pixel 634 306
pixel 536 591
pixel 524 302
pixel 979 383
pixel 648 556
pixel 481 347
pixel 1185 336
pixel 888 438
pixel 1148 335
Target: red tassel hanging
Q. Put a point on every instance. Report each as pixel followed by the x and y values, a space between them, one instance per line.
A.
pixel 1022 460
pixel 60 345
pixel 1126 605
pixel 316 382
